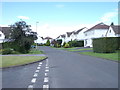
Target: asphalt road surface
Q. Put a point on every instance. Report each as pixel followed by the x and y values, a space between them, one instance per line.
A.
pixel 63 69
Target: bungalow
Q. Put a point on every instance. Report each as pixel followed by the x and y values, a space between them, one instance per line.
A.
pixel 96 31
pixel 113 31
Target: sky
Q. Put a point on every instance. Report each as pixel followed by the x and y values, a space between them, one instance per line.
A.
pixel 56 18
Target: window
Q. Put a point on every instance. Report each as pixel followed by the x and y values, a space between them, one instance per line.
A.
pixel 110 31
pixel 0 35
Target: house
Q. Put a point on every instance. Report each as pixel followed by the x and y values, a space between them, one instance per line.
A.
pixel 62 37
pixel 96 31
pixel 4 34
pixel 113 31
pixel 80 33
pixel 42 40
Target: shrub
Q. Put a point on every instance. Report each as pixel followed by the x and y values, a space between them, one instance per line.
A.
pixel 66 45
pixel 7 51
pixel 63 44
pixel 106 44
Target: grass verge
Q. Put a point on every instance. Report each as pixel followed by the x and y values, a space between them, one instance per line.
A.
pixel 8 61
pixel 34 51
pixel 110 56
pixel 81 49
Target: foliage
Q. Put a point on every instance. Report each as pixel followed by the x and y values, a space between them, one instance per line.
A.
pixel 67 45
pixel 22 37
pixel 59 42
pixel 76 43
pixel 64 44
pixel 106 44
pixel 48 43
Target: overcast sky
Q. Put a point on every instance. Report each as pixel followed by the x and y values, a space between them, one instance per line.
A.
pixel 57 18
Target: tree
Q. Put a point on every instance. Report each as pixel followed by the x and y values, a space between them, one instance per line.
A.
pixel 48 43
pixel 22 36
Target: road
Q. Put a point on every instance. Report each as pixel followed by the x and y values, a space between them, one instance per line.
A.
pixel 66 70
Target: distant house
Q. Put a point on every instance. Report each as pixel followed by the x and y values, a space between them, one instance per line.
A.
pixel 96 31
pixel 62 37
pixel 42 40
pixel 4 34
pixel 113 31
pixel 80 33
pixel 68 36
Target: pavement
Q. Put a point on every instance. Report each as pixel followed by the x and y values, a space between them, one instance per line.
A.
pixel 63 69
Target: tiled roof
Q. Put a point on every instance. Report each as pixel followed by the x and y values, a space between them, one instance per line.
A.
pixel 99 26
pixel 116 28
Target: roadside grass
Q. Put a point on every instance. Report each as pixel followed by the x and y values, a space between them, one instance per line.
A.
pixel 110 56
pixel 67 48
pixel 81 49
pixel 34 51
pixel 7 61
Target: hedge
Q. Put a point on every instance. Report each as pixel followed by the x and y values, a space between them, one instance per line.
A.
pixel 106 44
pixel 76 43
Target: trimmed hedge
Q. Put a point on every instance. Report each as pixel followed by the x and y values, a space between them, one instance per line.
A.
pixel 76 43
pixel 106 44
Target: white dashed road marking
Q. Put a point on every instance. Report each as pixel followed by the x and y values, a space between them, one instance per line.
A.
pixel 46 67
pixel 45 86
pixel 30 86
pixel 35 75
pixel 46 74
pixel 47 70
pixel 46 79
pixel 40 63
pixel 37 71
pixel 38 67
pixel 33 80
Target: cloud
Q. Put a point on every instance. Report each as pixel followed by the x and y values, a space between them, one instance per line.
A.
pixel 108 16
pixel 23 17
pixel 60 6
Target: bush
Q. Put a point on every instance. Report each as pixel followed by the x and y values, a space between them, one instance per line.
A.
pixel 106 44
pixel 7 51
pixel 63 44
pixel 66 45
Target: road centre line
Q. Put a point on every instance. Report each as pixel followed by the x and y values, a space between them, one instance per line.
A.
pixel 30 86
pixel 40 63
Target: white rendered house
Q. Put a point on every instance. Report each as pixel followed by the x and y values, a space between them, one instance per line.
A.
pixel 2 37
pixel 96 31
pixel 62 37
pixel 113 31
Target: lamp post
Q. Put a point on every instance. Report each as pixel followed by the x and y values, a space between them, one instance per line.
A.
pixel 36 32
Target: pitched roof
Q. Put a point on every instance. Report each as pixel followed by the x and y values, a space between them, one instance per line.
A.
pixel 69 33
pixel 47 38
pixel 116 28
pixel 6 31
pixel 99 26
pixel 79 30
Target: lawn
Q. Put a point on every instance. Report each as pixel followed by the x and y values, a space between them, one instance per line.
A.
pixel 7 61
pixel 110 56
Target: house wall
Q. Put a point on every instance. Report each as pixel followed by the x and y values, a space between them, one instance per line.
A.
pixel 81 35
pixel 2 37
pixel 111 33
pixel 93 34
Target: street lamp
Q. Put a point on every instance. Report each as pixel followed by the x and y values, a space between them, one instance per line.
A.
pixel 36 32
